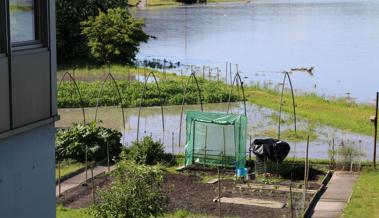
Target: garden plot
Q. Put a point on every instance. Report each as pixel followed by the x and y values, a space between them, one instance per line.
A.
pixel 191 192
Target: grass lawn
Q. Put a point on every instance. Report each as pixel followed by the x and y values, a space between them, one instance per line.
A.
pixel 365 199
pixel 63 212
pixel 337 113
pixel 68 168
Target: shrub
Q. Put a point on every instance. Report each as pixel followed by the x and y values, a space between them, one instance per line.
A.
pixel 147 151
pixel 71 143
pixel 137 192
pixel 114 36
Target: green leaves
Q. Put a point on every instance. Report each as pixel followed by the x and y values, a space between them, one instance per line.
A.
pixel 114 36
pixel 171 91
pixel 73 143
pixel 147 151
pixel 137 192
pixel 70 13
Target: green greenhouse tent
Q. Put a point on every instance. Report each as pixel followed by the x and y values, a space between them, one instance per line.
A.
pixel 215 139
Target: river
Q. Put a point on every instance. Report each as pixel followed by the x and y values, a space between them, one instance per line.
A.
pixel 339 38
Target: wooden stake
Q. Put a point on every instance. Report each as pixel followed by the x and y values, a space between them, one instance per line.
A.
pixel 306 173
pixel 59 178
pixel 93 185
pixel 172 144
pixel 219 192
pixel 108 159
pixel 376 129
pixel 205 145
pixel 86 163
pixel 226 73
pixel 291 203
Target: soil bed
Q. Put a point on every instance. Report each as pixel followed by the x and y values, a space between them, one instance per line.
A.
pixel 188 191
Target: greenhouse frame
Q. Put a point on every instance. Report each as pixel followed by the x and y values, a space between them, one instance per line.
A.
pixel 215 139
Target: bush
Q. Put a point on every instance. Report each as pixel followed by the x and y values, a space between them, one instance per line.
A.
pixel 137 192
pixel 70 13
pixel 114 36
pixel 147 151
pixel 71 143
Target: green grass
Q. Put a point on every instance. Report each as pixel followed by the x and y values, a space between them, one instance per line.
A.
pixel 186 214
pixel 63 212
pixel 338 113
pixel 68 168
pixel 365 199
pixel 290 135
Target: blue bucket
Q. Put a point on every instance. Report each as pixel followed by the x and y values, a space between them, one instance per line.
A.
pixel 241 172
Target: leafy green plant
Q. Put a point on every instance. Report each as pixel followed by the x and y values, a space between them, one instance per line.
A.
pixel 347 153
pixel 137 192
pixel 72 143
pixel 114 36
pixel 147 151
pixel 171 91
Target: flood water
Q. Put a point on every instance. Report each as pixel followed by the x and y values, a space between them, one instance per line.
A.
pixel 340 38
pixel 260 121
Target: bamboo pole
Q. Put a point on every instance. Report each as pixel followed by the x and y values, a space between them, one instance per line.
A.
pixel 59 178
pixel 205 145
pixel 108 159
pixel 306 173
pixel 224 139
pixel 219 193
pixel 226 73
pixel 172 144
pixel 230 72
pixel 86 163
pixel 376 129
pixel 291 202
pixel 93 185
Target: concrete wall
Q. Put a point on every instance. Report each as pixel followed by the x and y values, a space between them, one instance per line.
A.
pixel 27 174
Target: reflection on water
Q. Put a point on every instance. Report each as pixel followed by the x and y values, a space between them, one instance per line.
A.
pixel 339 38
pixel 259 121
pixel 22 20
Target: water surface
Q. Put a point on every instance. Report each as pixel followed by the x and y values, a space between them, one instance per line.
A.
pixel 260 121
pixel 340 38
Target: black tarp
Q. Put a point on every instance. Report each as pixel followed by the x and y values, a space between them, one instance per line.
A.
pixel 273 149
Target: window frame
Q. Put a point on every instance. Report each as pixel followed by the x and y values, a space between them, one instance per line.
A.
pixel 3 29
pixel 40 28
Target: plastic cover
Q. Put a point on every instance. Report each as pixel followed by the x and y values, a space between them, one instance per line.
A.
pixel 215 139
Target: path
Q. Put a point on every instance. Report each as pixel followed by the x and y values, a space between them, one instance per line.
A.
pixel 333 201
pixel 80 179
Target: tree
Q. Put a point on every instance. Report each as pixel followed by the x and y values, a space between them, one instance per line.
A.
pixel 70 13
pixel 114 36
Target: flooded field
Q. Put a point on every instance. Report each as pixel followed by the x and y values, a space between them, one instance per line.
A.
pixel 262 122
pixel 337 37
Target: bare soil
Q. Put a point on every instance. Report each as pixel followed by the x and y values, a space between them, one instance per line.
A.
pixel 188 192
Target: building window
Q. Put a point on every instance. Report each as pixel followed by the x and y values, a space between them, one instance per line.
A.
pixel 23 20
pixel 3 31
